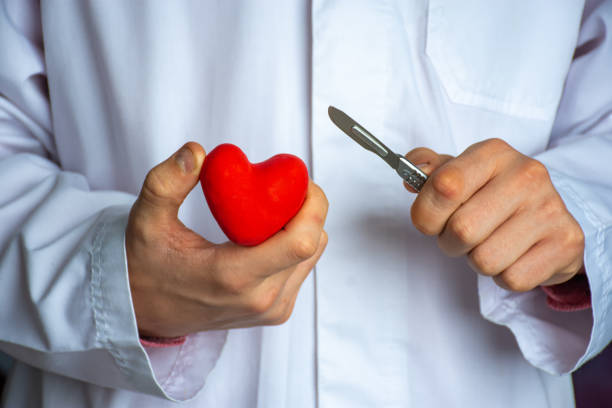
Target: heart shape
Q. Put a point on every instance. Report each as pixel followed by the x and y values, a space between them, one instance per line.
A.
pixel 251 202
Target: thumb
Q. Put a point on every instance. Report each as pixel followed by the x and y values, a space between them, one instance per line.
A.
pixel 427 160
pixel 168 183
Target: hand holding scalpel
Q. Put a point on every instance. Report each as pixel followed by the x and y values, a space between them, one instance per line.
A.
pixel 408 171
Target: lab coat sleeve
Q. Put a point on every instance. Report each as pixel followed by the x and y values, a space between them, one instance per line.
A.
pixel 65 303
pixel 579 160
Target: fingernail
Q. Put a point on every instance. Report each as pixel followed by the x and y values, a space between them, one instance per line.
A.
pixel 425 167
pixel 184 158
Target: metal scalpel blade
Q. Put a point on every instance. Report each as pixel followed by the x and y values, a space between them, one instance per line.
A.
pixel 408 171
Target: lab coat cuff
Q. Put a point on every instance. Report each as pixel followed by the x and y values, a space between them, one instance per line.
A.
pixel 114 318
pixel 579 200
pixel 144 369
pixel 558 342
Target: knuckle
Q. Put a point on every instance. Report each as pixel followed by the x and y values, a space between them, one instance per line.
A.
pixel 462 228
pixel 263 302
pixel 277 318
pixel 141 226
pixel 534 171
pixel 318 218
pixel 324 199
pixel 155 189
pixel 154 184
pixel 258 306
pixel 578 236
pixel 324 239
pixel 323 208
pixel 285 316
pixel 573 238
pixel 233 283
pixel 304 247
pixel 318 192
pixel 515 283
pixel 282 314
pixel 448 182
pixel 483 261
pixel 422 226
pixel 425 228
pixel 421 216
pixel 495 145
pixel 551 208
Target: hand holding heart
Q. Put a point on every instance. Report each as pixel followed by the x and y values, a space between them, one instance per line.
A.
pixel 181 283
pixel 500 208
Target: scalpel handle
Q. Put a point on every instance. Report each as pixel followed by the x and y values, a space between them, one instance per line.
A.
pixel 411 173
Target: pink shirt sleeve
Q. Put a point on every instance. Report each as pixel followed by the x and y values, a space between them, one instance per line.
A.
pixel 161 341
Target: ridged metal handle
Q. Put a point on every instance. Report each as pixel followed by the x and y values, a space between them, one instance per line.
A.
pixel 411 173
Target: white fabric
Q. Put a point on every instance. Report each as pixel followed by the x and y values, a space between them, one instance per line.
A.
pixel 385 320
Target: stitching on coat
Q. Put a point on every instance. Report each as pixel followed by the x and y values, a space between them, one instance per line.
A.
pixel 100 314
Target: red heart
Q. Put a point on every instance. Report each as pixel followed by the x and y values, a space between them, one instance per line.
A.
pixel 251 202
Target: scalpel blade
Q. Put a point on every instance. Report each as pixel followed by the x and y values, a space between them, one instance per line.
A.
pixel 408 171
pixel 359 134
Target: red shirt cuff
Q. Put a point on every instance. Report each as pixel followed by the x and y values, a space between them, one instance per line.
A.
pixel 149 341
pixel 569 296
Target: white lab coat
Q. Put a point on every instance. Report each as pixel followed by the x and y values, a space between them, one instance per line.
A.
pixel 386 319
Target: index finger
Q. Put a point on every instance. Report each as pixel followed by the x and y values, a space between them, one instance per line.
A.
pixel 427 160
pixel 455 182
